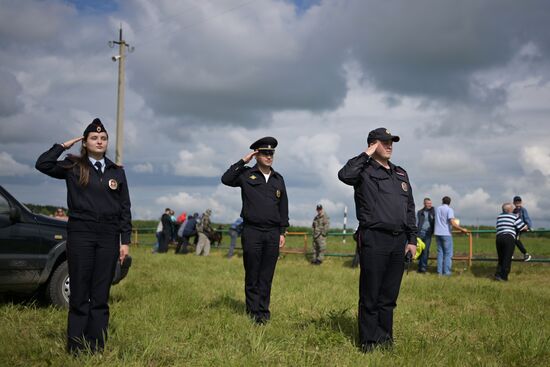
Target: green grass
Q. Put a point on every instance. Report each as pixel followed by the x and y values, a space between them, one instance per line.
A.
pixel 189 311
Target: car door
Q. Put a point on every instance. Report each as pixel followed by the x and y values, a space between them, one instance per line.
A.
pixel 20 248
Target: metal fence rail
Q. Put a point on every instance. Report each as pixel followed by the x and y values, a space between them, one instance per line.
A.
pixel 307 247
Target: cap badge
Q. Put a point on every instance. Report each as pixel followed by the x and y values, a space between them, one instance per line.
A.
pixel 387 132
pixel 404 186
pixel 252 177
pixel 113 185
pixel 278 194
pixel 98 129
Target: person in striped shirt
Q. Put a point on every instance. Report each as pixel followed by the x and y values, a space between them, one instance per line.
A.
pixel 508 227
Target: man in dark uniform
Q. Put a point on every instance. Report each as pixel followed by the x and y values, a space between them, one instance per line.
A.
pixel 265 215
pixel 387 231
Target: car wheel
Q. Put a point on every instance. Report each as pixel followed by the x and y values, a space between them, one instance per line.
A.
pixel 58 290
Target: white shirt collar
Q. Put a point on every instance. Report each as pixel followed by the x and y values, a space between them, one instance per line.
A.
pixel 102 161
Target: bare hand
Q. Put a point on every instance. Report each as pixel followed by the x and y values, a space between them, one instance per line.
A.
pixel 70 143
pixel 282 240
pixel 372 148
pixel 412 248
pixel 249 156
pixel 124 251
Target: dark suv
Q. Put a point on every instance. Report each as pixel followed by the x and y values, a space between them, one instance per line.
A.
pixel 32 252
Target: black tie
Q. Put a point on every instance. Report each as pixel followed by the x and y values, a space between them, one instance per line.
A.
pixel 98 166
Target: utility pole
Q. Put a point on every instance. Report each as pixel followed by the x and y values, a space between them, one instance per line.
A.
pixel 121 57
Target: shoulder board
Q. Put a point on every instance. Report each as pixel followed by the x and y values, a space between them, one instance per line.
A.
pixel 400 171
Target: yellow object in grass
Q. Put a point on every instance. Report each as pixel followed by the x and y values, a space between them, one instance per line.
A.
pixel 420 246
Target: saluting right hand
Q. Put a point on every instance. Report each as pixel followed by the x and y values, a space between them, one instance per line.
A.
pixel 372 148
pixel 70 143
pixel 249 156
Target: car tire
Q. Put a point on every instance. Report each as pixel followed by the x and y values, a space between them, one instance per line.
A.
pixel 58 288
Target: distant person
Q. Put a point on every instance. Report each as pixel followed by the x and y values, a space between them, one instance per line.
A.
pixel 173 225
pixel 60 214
pixel 522 213
pixel 509 225
pixel 204 227
pixel 188 229
pixel 425 219
pixel 158 235
pixel 320 227
pixel 235 231
pixel 444 224
pixel 182 217
pixel 166 234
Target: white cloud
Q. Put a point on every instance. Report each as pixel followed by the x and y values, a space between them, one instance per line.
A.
pixel 449 160
pixel 143 168
pixel 202 162
pixel 10 167
pixel 536 158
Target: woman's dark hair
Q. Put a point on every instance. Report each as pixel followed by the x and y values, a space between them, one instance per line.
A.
pixel 83 166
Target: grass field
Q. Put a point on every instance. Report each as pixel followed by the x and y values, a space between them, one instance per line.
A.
pixel 189 311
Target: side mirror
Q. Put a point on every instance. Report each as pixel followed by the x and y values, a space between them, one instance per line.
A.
pixel 15 214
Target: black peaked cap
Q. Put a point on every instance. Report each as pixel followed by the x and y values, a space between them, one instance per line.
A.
pixel 267 143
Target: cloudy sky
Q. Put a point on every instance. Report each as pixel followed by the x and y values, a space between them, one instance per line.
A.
pixel 465 84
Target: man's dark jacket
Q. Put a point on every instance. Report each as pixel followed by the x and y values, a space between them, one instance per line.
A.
pixel 431 217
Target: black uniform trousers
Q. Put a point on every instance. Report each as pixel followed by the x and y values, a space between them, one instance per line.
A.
pixel 92 257
pixel 505 249
pixel 260 254
pixel 382 265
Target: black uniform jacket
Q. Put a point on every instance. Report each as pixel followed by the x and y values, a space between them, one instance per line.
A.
pixel 383 198
pixel 104 199
pixel 265 204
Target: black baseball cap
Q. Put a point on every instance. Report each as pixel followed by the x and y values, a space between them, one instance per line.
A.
pixel 381 134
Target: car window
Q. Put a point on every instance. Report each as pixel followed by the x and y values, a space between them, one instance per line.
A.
pixel 4 205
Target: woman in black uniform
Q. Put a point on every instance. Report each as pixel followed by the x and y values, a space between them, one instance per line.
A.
pixel 99 231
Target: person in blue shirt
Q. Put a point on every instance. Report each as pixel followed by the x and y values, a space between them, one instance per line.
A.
pixel 444 223
pixel 522 213
pixel 187 230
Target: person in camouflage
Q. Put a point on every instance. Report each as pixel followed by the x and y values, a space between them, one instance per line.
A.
pixel 203 229
pixel 320 228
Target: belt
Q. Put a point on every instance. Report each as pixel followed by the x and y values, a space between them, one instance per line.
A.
pixel 93 218
pixel 392 231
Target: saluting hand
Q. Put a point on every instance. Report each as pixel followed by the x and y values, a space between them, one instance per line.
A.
pixel 124 251
pixel 249 156
pixel 70 143
pixel 372 148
